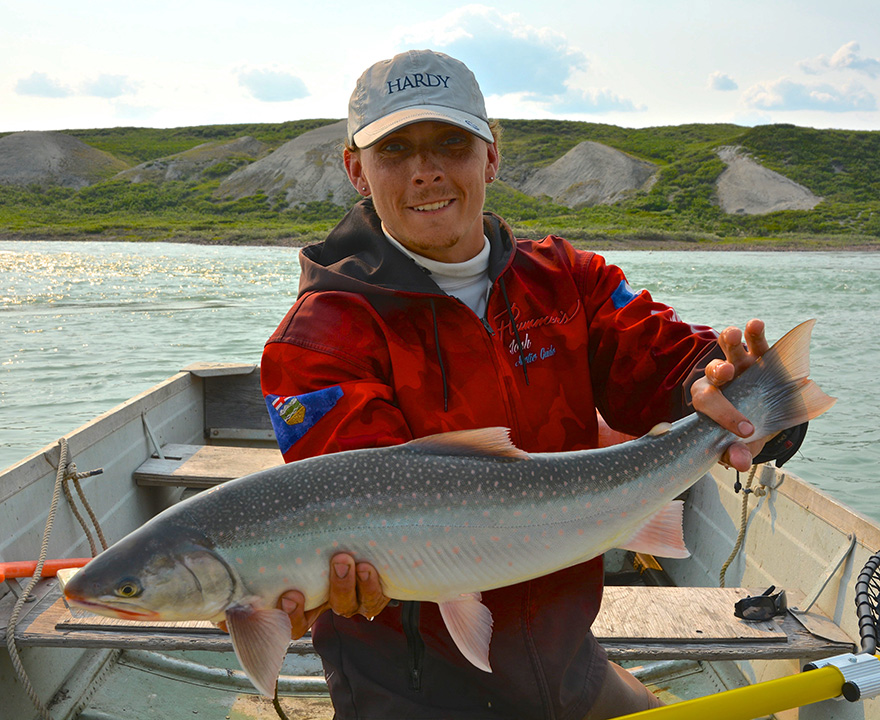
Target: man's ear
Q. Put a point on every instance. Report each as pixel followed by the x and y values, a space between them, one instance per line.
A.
pixel 493 162
pixel 354 168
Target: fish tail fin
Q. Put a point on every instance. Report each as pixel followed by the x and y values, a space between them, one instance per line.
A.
pixel 788 396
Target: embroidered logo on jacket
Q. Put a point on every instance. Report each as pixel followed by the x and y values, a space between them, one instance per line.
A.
pixel 293 416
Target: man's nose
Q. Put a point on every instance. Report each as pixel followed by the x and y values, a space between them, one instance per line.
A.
pixel 427 169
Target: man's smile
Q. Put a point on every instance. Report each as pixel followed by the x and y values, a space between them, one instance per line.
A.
pixel 432 206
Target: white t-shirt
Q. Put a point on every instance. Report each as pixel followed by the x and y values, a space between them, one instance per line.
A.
pixel 468 281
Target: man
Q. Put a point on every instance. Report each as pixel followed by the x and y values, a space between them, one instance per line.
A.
pixel 421 314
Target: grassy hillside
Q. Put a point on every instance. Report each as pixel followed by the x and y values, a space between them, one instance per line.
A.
pixel 841 166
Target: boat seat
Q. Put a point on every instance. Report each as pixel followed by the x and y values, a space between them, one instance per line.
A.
pixel 203 466
pixel 635 623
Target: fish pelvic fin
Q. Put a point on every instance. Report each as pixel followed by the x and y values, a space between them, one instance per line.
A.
pixel 260 639
pixel 789 397
pixel 470 624
pixel 491 442
pixel 661 534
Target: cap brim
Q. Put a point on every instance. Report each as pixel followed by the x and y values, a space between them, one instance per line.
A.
pixel 375 131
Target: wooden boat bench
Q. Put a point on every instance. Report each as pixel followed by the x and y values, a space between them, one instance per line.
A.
pixel 203 466
pixel 636 623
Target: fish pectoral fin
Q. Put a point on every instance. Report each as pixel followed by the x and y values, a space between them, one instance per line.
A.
pixel 661 534
pixel 260 639
pixel 470 624
pixel 492 442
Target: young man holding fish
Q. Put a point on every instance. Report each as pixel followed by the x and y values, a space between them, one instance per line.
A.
pixel 423 314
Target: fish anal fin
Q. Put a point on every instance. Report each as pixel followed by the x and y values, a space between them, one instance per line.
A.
pixel 661 534
pixel 470 624
pixel 483 442
pixel 260 639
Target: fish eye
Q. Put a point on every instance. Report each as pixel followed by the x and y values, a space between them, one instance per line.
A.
pixel 129 589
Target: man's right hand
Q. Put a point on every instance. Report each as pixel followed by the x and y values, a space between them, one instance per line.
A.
pixel 355 589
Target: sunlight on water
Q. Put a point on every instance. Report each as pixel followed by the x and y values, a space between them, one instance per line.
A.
pixel 85 326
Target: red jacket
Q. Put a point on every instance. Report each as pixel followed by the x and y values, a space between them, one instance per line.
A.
pixel 374 353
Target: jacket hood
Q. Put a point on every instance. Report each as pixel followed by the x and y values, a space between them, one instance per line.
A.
pixel 357 257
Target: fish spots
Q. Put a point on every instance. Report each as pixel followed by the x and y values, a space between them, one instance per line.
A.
pixel 527 538
pixel 456 550
pixel 418 563
pixel 404 538
pixel 299 561
pixel 239 561
pixel 262 571
pixel 372 543
pixel 478 559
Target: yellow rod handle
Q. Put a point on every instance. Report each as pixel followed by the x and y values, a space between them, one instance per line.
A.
pixel 753 701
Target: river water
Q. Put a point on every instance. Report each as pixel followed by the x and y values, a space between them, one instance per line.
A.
pixel 86 325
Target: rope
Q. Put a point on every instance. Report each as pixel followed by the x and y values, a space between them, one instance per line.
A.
pixel 743 520
pixel 35 578
pixel 73 475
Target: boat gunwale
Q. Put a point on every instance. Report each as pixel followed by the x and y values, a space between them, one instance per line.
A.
pixel 43 462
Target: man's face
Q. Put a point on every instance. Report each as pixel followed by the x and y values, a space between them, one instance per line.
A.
pixel 428 184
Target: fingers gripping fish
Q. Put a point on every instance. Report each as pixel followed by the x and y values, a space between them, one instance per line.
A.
pixel 441 518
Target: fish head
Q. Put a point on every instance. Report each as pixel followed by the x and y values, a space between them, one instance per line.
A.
pixel 161 573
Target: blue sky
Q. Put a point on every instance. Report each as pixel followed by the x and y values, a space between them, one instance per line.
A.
pixel 635 63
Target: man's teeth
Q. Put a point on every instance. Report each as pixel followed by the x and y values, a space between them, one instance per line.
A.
pixel 433 206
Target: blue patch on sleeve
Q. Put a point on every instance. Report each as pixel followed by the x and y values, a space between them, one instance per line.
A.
pixel 624 295
pixel 294 415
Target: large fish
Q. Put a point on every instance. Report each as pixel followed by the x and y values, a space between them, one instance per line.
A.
pixel 441 518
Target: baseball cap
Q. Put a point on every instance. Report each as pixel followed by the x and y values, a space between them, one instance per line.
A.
pixel 411 87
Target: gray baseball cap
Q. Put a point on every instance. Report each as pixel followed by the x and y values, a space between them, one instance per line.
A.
pixel 411 87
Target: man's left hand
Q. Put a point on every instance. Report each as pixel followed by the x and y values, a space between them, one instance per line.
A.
pixel 709 400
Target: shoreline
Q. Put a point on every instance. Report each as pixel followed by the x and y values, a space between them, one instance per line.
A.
pixel 596 242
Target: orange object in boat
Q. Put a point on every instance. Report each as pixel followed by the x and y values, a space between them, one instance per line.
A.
pixel 25 568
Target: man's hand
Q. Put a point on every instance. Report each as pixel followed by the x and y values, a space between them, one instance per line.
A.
pixel 354 590
pixel 708 399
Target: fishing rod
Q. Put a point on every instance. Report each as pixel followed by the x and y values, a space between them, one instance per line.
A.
pixel 853 676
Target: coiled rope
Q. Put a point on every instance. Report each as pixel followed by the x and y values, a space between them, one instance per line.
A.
pixel 747 490
pixel 65 473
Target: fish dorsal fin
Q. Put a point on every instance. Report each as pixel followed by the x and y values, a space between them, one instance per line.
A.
pixel 491 442
pixel 660 429
pixel 661 534
pixel 470 624
pixel 260 639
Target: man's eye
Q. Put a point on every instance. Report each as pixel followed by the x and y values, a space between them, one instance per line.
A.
pixel 393 147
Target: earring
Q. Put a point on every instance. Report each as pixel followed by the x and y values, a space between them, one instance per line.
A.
pixel 491 178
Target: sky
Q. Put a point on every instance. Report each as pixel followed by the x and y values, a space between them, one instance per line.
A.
pixel 633 63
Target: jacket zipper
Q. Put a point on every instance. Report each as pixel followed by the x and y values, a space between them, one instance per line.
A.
pixel 409 618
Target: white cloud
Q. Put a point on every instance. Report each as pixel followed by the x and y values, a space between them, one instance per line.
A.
pixel 786 94
pixel 39 84
pixel 108 86
pixel 847 57
pixel 273 85
pixel 510 57
pixel 721 81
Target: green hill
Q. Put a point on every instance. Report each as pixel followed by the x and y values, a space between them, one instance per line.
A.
pixel 843 167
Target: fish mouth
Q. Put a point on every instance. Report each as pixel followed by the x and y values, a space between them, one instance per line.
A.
pixel 107 609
